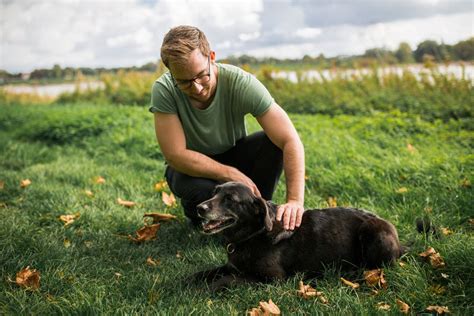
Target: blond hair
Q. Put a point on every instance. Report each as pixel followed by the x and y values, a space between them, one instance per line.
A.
pixel 180 41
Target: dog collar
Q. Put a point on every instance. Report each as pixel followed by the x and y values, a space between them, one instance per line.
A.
pixel 230 248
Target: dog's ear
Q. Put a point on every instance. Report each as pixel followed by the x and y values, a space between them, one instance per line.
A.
pixel 262 208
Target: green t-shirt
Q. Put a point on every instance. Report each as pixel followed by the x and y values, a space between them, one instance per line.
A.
pixel 215 129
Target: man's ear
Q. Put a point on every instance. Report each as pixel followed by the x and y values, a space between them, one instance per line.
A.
pixel 212 54
pixel 262 208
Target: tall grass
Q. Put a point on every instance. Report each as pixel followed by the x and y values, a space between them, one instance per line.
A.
pixel 361 160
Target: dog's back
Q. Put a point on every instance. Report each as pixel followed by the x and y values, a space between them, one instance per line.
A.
pixel 344 236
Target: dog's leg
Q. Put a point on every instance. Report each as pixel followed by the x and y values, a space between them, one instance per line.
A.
pixel 211 275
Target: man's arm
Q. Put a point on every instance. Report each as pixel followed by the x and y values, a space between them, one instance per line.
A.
pixel 170 136
pixel 279 128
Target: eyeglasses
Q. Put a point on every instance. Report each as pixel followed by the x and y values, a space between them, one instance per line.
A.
pixel 201 79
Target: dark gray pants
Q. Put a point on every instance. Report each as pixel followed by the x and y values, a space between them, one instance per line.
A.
pixel 254 155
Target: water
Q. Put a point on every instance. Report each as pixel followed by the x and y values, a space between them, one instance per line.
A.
pixel 455 70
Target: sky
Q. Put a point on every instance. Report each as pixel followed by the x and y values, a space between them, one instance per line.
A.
pixel 104 33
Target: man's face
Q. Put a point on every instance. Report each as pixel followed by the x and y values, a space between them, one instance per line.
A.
pixel 196 78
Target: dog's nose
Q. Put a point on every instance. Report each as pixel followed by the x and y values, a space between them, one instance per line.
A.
pixel 202 209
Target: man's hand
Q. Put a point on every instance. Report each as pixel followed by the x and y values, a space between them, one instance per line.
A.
pixel 234 174
pixel 291 213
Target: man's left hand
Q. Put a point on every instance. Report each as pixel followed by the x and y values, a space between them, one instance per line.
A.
pixel 291 213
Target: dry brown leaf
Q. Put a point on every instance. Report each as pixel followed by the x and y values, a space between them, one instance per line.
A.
pixel 402 263
pixel 145 233
pixel 404 307
pixel 179 255
pixel 255 312
pixel 69 218
pixel 152 262
pixel 2 185
pixel 67 243
pixel 126 203
pixel 89 193
pixel 402 190
pixel 306 291
pixel 349 283
pixel 332 201
pixel 438 289
pixel 160 217
pixel 383 306
pixel 446 231
pixel 375 278
pixel 411 148
pixel 99 180
pixel 160 186
pixel 24 183
pixel 28 278
pixel 168 199
pixel 440 310
pixel 269 308
pixel 434 258
pixel 465 183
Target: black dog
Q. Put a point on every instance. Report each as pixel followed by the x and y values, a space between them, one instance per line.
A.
pixel 259 249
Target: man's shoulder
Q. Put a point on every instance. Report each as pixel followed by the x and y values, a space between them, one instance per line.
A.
pixel 231 70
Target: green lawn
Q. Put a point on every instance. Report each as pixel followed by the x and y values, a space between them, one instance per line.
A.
pixel 363 161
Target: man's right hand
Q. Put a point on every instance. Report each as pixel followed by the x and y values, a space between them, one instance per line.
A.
pixel 234 174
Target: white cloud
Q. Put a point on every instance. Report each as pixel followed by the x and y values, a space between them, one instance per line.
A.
pixel 108 33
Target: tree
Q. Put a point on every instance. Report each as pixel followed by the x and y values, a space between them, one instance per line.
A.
pixel 404 53
pixel 430 47
pixel 464 50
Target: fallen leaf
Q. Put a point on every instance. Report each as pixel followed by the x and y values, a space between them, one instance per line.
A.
pixel 255 312
pixel 438 289
pixel 349 283
pixel 179 255
pixel 67 243
pixel 446 231
pixel 2 185
pixel 125 203
pixel 89 193
pixel 25 183
pixel 444 276
pixel 306 177
pixel 152 262
pixel 402 190
pixel 410 148
pixel 375 278
pixel 402 263
pixel 160 186
pixel 160 217
pixel 332 201
pixel 428 209
pixel 88 243
pixel 168 199
pixel 69 219
pixel 383 306
pixel 269 308
pixel 28 278
pixel 404 307
pixel 440 310
pixel 99 180
pixel 306 291
pixel 145 233
pixel 434 258
pixel 465 183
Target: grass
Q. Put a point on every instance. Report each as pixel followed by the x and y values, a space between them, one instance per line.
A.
pixel 361 160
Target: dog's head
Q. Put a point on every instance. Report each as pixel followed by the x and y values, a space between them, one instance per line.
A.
pixel 235 210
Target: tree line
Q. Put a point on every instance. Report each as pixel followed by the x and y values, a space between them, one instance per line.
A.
pixel 425 52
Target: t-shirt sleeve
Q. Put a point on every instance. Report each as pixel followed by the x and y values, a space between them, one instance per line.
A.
pixel 255 97
pixel 162 99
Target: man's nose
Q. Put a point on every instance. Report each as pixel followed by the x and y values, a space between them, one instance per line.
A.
pixel 196 87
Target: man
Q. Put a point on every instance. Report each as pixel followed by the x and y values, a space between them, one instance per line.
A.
pixel 199 108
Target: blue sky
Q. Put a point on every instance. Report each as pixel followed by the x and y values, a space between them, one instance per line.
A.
pixel 104 33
